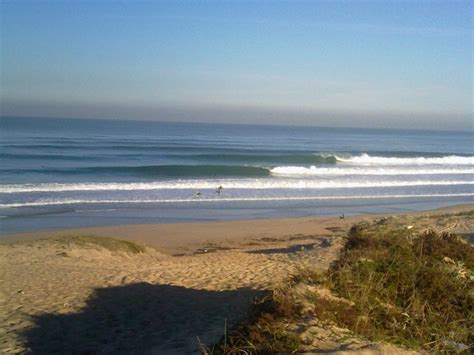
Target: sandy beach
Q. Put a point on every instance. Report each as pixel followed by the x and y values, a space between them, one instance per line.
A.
pixel 190 281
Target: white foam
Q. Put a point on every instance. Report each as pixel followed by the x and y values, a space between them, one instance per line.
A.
pixel 248 184
pixel 366 159
pixel 318 171
pixel 226 199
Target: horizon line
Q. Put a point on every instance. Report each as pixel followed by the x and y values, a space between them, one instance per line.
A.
pixel 277 124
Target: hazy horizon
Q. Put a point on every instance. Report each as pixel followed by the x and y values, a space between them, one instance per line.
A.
pixel 243 122
pixel 402 65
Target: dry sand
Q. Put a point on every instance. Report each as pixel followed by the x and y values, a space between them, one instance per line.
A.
pixel 193 278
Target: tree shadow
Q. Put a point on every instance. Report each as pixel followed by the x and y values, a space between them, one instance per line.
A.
pixel 140 318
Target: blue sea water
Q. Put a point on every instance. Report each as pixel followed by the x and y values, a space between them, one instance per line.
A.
pixel 58 173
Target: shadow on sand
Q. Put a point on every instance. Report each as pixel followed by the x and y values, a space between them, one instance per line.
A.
pixel 140 318
pixel 293 249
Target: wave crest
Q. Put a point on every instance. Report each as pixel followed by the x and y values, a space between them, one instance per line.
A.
pixel 319 171
pixel 367 159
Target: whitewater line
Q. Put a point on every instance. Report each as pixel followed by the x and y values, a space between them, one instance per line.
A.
pixel 367 159
pixel 369 171
pixel 227 199
pixel 227 184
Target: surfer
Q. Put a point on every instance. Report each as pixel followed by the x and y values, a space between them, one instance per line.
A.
pixel 219 189
pixel 198 194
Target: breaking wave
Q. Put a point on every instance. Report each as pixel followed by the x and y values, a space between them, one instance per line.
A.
pixel 314 170
pixel 367 159
pixel 227 184
pixel 230 199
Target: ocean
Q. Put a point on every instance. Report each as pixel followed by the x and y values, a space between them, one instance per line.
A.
pixel 59 173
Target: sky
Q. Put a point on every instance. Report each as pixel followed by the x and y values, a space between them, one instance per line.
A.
pixel 399 64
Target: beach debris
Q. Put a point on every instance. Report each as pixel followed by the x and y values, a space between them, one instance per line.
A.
pixel 409 227
pixel 325 243
pixel 20 292
pixel 341 216
pixel 205 251
pixel 297 248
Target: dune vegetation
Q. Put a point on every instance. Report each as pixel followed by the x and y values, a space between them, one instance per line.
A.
pixel 110 244
pixel 391 284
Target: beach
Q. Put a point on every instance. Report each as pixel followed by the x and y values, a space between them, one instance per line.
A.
pixel 62 291
pixel 235 177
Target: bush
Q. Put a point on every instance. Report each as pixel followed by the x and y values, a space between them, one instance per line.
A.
pixel 414 290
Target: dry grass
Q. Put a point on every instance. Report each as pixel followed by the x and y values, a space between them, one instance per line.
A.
pixel 267 330
pixel 407 289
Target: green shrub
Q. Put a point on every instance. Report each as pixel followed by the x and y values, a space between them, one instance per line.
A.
pixel 406 288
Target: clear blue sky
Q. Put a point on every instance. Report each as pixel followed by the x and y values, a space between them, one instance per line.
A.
pixel 341 63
